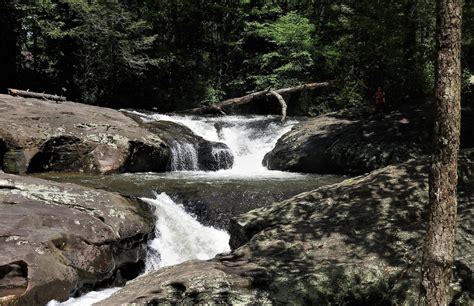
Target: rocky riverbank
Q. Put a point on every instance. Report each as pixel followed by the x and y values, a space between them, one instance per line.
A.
pixel 57 239
pixel 39 136
pixel 358 141
pixel 354 242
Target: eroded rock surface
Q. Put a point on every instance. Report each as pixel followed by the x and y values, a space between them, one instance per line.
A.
pixel 37 136
pixel 357 142
pixel 353 143
pixel 355 242
pixel 56 239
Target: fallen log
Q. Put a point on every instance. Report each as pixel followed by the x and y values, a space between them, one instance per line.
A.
pixel 282 102
pixel 32 94
pixel 219 108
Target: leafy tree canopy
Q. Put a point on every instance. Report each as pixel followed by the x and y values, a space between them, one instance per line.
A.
pixel 173 55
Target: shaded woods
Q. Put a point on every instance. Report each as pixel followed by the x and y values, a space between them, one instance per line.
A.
pixel 176 55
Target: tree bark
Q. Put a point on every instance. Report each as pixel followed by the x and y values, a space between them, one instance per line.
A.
pixel 219 107
pixel 32 94
pixel 282 103
pixel 440 237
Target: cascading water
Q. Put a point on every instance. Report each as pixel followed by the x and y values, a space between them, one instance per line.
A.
pixel 249 138
pixel 179 237
pixel 184 156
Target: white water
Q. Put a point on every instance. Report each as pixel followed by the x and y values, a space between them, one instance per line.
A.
pixel 249 138
pixel 179 237
pixel 87 299
pixel 183 156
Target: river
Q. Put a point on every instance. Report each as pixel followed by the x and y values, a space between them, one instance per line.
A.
pixel 193 207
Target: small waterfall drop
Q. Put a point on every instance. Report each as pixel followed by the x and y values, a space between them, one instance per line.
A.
pixel 87 299
pixel 184 156
pixel 248 137
pixel 180 237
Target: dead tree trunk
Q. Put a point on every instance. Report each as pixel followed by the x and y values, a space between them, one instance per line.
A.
pixel 220 107
pixel 440 237
pixel 282 103
pixel 32 94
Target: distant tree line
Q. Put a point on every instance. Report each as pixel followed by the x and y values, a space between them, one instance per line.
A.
pixel 175 55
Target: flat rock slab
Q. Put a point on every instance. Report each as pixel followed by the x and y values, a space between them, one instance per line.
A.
pixel 57 238
pixel 37 135
pixel 356 242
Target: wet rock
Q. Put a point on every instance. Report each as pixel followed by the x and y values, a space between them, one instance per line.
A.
pixel 190 151
pixel 59 239
pixel 355 242
pixel 145 157
pixel 37 136
pixel 214 156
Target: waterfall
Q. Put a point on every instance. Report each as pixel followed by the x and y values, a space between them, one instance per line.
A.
pixel 248 137
pixel 87 299
pixel 184 156
pixel 179 237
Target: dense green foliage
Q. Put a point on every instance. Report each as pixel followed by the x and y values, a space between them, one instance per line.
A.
pixel 177 54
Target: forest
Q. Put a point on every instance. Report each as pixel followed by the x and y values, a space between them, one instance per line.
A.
pixel 247 152
pixel 174 55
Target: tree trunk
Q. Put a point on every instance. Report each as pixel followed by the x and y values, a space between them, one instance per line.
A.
pixel 282 103
pixel 219 107
pixel 440 237
pixel 37 95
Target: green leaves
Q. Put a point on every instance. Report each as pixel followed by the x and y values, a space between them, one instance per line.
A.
pixel 177 54
pixel 289 31
pixel 284 53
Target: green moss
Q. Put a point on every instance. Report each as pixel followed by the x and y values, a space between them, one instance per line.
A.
pixel 14 162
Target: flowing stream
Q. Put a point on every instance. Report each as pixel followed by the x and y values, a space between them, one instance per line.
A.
pixel 248 137
pixel 179 234
pixel 178 237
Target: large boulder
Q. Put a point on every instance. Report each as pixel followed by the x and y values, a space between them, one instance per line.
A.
pixel 59 239
pixel 357 141
pixel 190 151
pixel 353 142
pixel 37 136
pixel 357 242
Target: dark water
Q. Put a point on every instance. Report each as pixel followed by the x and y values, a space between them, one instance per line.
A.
pixel 212 197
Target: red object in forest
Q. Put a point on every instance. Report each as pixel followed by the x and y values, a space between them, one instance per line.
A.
pixel 379 96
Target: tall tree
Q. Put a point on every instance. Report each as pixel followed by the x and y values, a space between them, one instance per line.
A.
pixel 441 233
